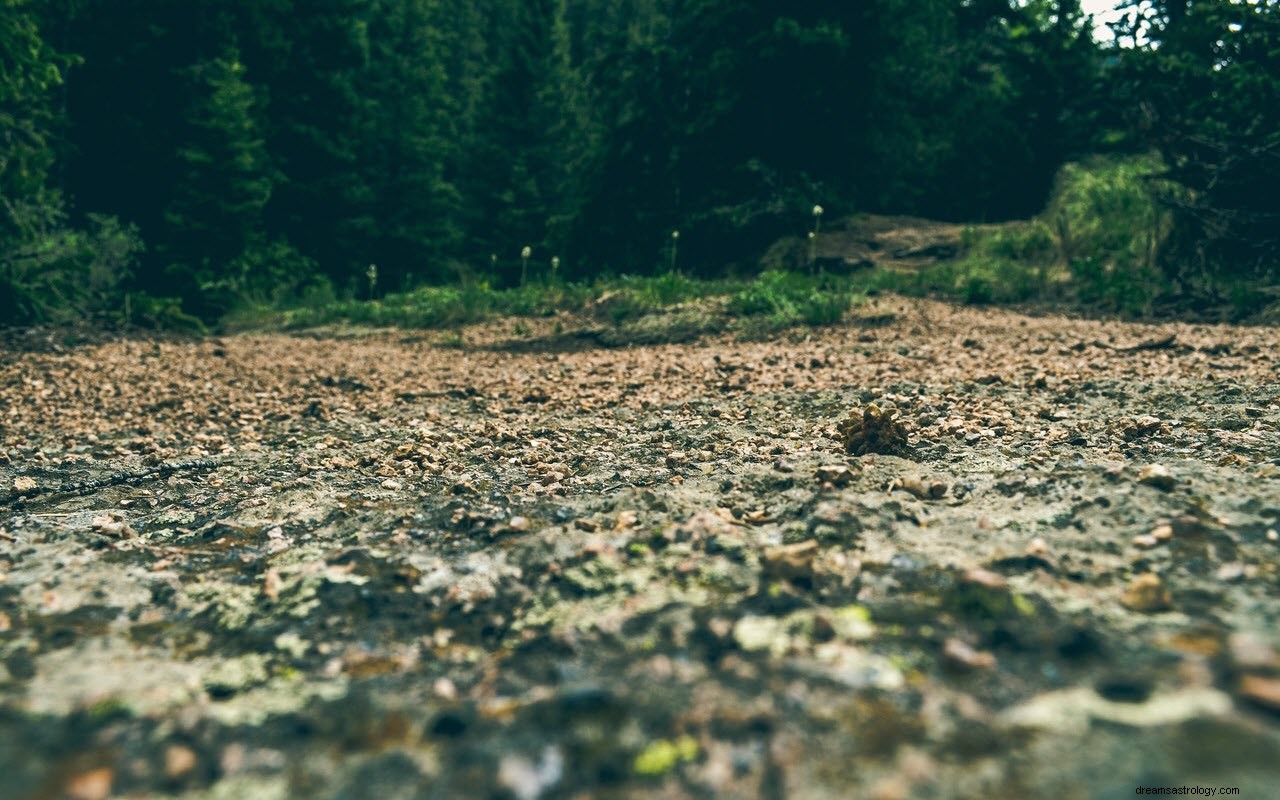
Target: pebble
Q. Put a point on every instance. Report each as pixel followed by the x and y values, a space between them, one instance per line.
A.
pixel 114 524
pixel 23 484
pixel 92 785
pixel 961 654
pixel 445 689
pixel 518 524
pixel 790 560
pixel 1147 594
pixel 179 761
pixel 1159 476
pixel 1162 533
pixel 984 578
pixel 1231 572
pixel 925 490
pixel 1249 651
pixel 837 475
pixel 1262 690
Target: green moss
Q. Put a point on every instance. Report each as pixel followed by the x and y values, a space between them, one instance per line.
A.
pixel 664 755
pixel 108 709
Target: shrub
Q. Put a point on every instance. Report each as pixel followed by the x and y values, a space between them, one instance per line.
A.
pixel 59 274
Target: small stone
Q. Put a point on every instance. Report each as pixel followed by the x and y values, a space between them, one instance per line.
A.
pixel 961 654
pixel 179 761
pixel 1147 594
pixel 1038 547
pixel 1251 652
pixel 1159 476
pixel 24 484
pixel 584 524
pixel 445 689
pixel 1145 541
pixel 1162 533
pixel 527 780
pixel 518 524
pixel 271 584
pixel 392 485
pixel 1187 525
pixel 92 785
pixel 783 465
pixel 113 524
pixel 913 486
pixel 1231 573
pixel 1142 427
pixel 837 475
pixel 790 560
pixel 1261 690
pixel 626 520
pixel 984 578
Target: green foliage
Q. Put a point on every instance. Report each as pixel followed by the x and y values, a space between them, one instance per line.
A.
pixel 1110 230
pixel 50 271
pixel 214 242
pixel 62 275
pixel 1205 77
pixel 787 298
pixel 260 146
pixel 1097 242
pixel 638 309
pixel 29 72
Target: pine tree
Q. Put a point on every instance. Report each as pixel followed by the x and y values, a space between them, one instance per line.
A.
pixel 520 170
pixel 29 71
pixel 311 56
pixel 215 221
pixel 406 151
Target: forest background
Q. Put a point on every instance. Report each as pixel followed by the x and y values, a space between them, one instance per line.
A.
pixel 171 163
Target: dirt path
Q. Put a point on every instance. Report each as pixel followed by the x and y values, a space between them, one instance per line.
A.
pixel 517 568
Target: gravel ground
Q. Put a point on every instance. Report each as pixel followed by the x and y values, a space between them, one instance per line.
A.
pixel 510 562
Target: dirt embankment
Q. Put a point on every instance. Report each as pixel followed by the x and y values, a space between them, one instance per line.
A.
pixel 382 567
pixel 907 244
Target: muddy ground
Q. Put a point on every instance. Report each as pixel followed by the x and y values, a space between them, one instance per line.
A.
pixel 514 563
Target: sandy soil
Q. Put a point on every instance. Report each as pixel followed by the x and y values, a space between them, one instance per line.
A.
pixel 385 564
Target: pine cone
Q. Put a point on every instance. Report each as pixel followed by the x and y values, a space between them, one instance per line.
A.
pixel 873 430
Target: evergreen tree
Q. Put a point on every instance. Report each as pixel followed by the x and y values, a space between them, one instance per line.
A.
pixel 49 271
pixel 406 150
pixel 520 174
pixel 215 228
pixel 29 71
pixel 1204 87
pixel 310 57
